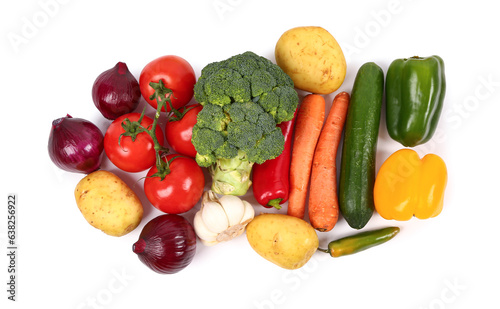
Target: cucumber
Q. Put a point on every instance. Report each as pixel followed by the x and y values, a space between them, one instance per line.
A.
pixel 357 169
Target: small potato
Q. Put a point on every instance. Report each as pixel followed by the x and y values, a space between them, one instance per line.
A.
pixel 287 241
pixel 108 204
pixel 312 58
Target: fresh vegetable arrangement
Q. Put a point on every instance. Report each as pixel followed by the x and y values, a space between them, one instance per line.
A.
pixel 244 98
pixel 249 129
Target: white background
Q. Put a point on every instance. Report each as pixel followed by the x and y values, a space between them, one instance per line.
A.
pixel 447 262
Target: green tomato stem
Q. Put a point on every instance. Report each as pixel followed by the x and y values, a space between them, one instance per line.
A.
pixel 162 95
pixel 160 92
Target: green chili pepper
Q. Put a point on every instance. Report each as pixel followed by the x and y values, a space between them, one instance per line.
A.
pixel 415 90
pixel 359 242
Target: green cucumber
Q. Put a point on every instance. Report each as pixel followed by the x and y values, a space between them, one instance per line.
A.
pixel 357 170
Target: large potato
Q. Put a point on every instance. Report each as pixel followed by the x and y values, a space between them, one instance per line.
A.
pixel 108 204
pixel 312 58
pixel 287 241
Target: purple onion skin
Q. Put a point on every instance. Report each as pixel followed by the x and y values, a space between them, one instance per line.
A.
pixel 167 244
pixel 75 145
pixel 116 92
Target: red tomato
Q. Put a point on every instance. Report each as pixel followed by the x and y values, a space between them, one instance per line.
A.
pixel 131 156
pixel 180 190
pixel 176 73
pixel 179 132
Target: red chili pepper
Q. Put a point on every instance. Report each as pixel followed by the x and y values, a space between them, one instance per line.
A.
pixel 270 180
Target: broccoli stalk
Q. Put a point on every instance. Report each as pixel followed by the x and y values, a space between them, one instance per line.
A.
pixel 231 175
pixel 243 98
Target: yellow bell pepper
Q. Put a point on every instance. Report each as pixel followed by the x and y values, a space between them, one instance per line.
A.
pixel 408 186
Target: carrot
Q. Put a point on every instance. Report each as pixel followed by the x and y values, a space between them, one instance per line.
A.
pixel 323 201
pixel 310 118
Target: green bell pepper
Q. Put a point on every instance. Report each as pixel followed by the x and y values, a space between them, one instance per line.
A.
pixel 415 90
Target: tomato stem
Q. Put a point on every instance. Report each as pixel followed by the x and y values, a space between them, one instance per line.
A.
pixel 132 128
pixel 179 115
pixel 160 92
pixel 163 96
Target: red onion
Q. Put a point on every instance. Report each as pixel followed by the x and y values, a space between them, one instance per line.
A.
pixel 75 145
pixel 116 92
pixel 167 244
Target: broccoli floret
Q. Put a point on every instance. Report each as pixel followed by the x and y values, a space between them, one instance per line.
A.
pixel 212 117
pixel 222 132
pixel 262 82
pixel 267 147
pixel 205 141
pixel 226 151
pixel 278 102
pixel 205 160
pixel 248 77
pixel 243 98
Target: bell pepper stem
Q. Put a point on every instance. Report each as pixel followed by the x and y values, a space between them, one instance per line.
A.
pixel 275 203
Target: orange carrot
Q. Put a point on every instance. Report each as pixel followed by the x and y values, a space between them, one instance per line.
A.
pixel 323 201
pixel 310 118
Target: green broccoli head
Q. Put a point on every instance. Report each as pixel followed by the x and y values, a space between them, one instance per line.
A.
pixel 243 98
pixel 248 77
pixel 220 132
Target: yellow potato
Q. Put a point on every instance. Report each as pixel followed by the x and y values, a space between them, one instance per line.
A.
pixel 312 58
pixel 108 204
pixel 287 241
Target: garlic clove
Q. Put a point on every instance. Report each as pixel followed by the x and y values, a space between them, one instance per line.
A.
pixel 201 229
pixel 234 208
pixel 214 217
pixel 237 229
pixel 249 213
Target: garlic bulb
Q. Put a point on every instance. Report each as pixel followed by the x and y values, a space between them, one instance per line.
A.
pixel 221 219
